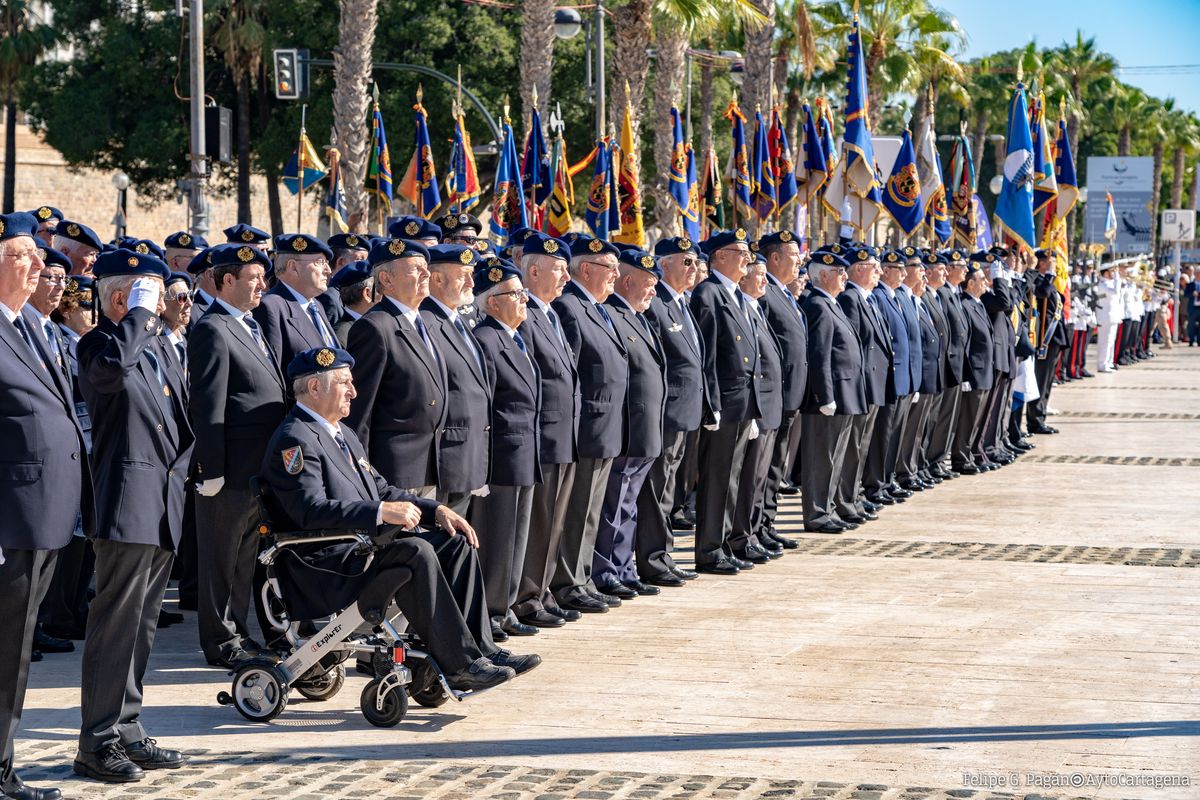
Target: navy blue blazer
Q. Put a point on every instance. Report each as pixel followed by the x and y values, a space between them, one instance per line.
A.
pixel 400 409
pixel 45 478
pixel 645 401
pixel 835 358
pixel 770 373
pixel 957 332
pixel 140 430
pixel 906 364
pixel 559 419
pixel 876 341
pixel 932 359
pixel 730 350
pixel 464 449
pixel 999 302
pixel 687 390
pixel 791 333
pixel 516 395
pixel 287 328
pixel 236 400
pixel 979 366
pixel 600 360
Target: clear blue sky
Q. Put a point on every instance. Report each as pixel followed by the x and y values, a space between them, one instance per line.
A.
pixel 1136 32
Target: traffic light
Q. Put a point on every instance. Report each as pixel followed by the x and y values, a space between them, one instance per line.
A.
pixel 291 74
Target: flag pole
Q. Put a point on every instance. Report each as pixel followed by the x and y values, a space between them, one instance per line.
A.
pixel 300 169
pixel 458 112
pixel 375 155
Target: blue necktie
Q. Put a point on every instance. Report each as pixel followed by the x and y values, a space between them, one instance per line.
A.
pixel 52 341
pixel 257 334
pixel 341 442
pixel 315 314
pixel 22 329
pixel 550 315
pixel 424 334
pixel 607 318
pixel 158 372
pixel 520 342
pixel 466 337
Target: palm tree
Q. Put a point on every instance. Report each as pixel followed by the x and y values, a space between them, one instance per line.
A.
pixel 756 83
pixel 352 96
pixel 632 24
pixel 1155 117
pixel 1128 107
pixel 1184 132
pixel 240 36
pixel 936 72
pixel 24 37
pixel 537 54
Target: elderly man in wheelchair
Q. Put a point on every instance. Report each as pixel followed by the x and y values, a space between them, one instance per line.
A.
pixel 344 539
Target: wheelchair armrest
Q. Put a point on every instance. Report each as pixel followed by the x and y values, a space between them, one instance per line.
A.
pixel 287 540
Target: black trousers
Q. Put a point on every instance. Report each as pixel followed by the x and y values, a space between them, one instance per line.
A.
pixel 187 564
pixel 24 578
pixel 825 445
pixel 227 549
pixel 721 455
pixel 752 487
pixel 65 607
pixel 655 538
pixel 942 428
pixel 971 409
pixel 546 516
pixel 1043 370
pixel 581 522
pixel 501 521
pixel 787 445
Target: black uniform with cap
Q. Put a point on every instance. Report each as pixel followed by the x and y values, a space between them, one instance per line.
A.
pixel 290 322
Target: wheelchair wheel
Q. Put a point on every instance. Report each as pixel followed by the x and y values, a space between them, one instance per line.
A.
pixel 391 710
pixel 323 686
pixel 425 687
pixel 260 690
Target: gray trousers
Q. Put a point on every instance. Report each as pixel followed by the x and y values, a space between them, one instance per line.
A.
pixel 130 581
pixel 655 537
pixel 752 488
pixel 24 578
pixel 941 431
pixel 501 521
pixel 826 442
pixel 787 442
pixel 971 407
pixel 721 455
pixel 227 550
pixel 573 575
pixel 546 517
pixel 849 498
pixel 458 502
pixel 910 460
pixel 689 471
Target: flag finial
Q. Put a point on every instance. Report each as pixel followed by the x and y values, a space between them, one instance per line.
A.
pixel 535 97
pixel 420 92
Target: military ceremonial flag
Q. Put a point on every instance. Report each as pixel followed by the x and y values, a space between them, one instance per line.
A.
pixel 860 152
pixel 335 199
pixel 962 185
pixel 629 197
pixel 712 210
pixel 1110 219
pixel 741 183
pixel 535 168
pixel 462 179
pixel 1014 208
pixel 1045 186
pixel 304 168
pixel 933 187
pixel 508 196
pixel 558 209
pixel 902 194
pixel 814 170
pixel 600 204
pixel 825 129
pixel 677 177
pixel 379 169
pixel 782 165
pixel 691 215
pixel 762 181
pixel 1064 172
pixel 419 185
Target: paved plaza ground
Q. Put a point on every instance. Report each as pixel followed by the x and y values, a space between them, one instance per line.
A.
pixel 1031 631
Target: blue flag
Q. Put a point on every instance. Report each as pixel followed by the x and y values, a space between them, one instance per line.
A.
pixel 614 192
pixel 535 166
pixel 860 152
pixel 902 196
pixel 762 180
pixel 335 198
pixel 601 199
pixel 741 159
pixel 1014 207
pixel 691 215
pixel 677 180
pixel 379 170
pixel 419 185
pixel 1064 171
pixel 782 166
pixel 508 197
pixel 816 164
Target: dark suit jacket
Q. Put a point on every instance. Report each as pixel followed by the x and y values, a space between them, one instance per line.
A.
pixel 979 364
pixel 932 361
pixel 236 399
pixel 687 390
pixel 45 478
pixel 559 419
pixel 286 326
pixel 1049 305
pixel 835 358
pixel 516 394
pixel 603 374
pixel 937 314
pixel 647 396
pixel 400 409
pixel 142 434
pixel 906 363
pixel 770 373
pixel 62 365
pixel 999 302
pixel 876 342
pixel 791 334
pixel 464 448
pixel 730 351
pixel 956 340
pixel 330 301
pixel 341 328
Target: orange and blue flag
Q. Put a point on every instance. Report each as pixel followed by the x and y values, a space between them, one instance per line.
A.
pixel 860 166
pixel 304 168
pixel 782 165
pixel 508 198
pixel 601 203
pixel 902 194
pixel 462 179
pixel 419 185
pixel 335 198
pixel 762 180
pixel 743 185
pixel 379 169
pixel 535 165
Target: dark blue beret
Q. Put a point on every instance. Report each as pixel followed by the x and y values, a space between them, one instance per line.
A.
pixel 411 227
pixel 584 245
pixel 84 286
pixel 539 244
pixel 147 248
pixel 721 239
pixel 352 273
pixel 984 257
pixel 829 259
pixel 453 254
pixel 892 257
pixel 124 241
pixel 492 273
pixel 232 254
pixel 46 213
pixel 51 257
pixel 518 236
pixel 245 234
pixel 301 244
pixel 317 360
pixel 674 245
pixel 349 241
pixel 859 252
pixel 182 240
pixel 199 262
pixel 908 251
pixel 181 276
pixel 127 262
pixel 386 250
pixel 623 246
pixel 837 248
pixel 641 260
pixel 779 237
pixel 80 233
pixel 452 224
pixel 954 254
pixel 932 259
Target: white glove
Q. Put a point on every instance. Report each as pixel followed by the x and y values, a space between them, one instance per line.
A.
pixel 997 271
pixel 210 487
pixel 716 423
pixel 753 429
pixel 482 491
pixel 1 555
pixel 916 396
pixel 144 294
pixel 966 386
pixel 828 408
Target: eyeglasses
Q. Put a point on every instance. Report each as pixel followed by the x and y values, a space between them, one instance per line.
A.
pixel 602 265
pixel 181 297
pixel 518 294
pixel 54 279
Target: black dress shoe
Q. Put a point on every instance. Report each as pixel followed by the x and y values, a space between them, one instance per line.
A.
pixel 682 523
pixel 148 755
pixel 610 600
pixel 75 634
pixel 966 469
pixel 665 579
pixel 723 567
pixel 584 605
pixel 789 489
pixel 685 574
pixel 481 674
pixel 828 527
pixel 1042 429
pixel 36 655
pixel 110 764
pixel 899 492
pixel 518 664
pixel 752 553
pixel 741 563
pixel 868 516
pixel 786 544
pixel 566 613
pixel 617 589
pixel 168 618
pixel 773 548
pixel 855 518
pixel 871 506
pixel 188 603
pixel 229 658
pixel 848 526
pixel 51 644
pixel 641 588
pixel 543 619
pixel 20 791
pixel 519 629
pixel 498 634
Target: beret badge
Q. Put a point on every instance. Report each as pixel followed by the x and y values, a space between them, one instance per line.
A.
pixel 595 245
pixel 740 234
pixel 412 229
pixel 247 236
pixel 684 243
pixel 647 262
pixel 245 255
pixel 551 247
pixel 44 212
pixel 785 236
pixel 73 229
pixel 396 247
pixel 184 239
pixel 495 274
pixel 132 261
pixel 324 357
pixel 465 257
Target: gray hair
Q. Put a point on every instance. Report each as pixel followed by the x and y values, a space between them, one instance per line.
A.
pixel 480 301
pixel 300 385
pixel 576 262
pixel 816 270
pixel 107 286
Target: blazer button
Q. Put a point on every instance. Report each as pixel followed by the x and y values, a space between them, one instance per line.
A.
pixel 433 402
pixel 746 359
pixel 737 338
pixel 487 428
pixel 74 456
pixel 158 428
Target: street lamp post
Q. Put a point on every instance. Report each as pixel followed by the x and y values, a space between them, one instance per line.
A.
pixel 197 201
pixel 120 221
